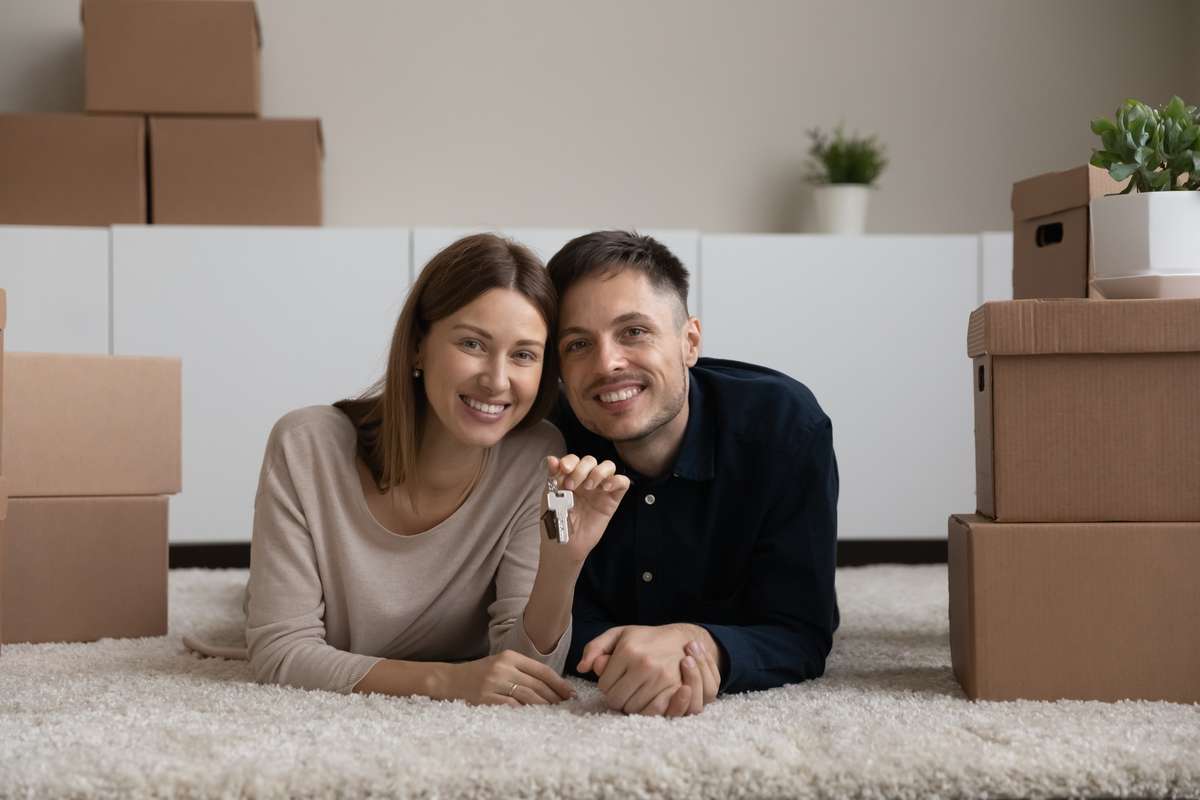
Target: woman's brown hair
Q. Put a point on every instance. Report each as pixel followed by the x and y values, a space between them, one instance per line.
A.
pixel 390 416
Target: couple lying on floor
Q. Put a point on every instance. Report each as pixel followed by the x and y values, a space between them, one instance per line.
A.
pixel 399 543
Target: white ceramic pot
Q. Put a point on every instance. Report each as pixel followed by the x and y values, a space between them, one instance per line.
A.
pixel 841 207
pixel 1145 233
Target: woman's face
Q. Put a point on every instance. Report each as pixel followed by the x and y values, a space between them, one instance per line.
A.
pixel 482 366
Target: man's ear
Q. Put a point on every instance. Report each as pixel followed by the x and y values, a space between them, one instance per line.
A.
pixel 691 341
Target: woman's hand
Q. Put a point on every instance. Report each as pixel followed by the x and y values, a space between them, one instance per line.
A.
pixel 507 678
pixel 598 490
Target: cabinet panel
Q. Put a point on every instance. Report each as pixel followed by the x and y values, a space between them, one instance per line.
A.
pixel 266 320
pixel 56 279
pixel 876 327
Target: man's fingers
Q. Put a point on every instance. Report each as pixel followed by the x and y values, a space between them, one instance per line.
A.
pixel 660 705
pixel 600 663
pixel 690 671
pixel 681 700
pixel 618 694
pixel 644 697
pixel 602 472
pixel 579 473
pixel 709 670
pixel 601 645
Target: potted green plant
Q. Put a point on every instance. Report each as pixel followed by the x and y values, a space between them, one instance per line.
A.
pixel 1150 231
pixel 843 170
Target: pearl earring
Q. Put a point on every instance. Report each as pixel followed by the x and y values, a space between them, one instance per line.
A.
pixel 417 373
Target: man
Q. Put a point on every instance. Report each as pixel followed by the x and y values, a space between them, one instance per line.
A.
pixel 727 537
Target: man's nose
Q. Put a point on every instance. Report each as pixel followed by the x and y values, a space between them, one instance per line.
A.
pixel 610 356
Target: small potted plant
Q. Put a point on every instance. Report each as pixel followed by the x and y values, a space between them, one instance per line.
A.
pixel 843 169
pixel 1152 227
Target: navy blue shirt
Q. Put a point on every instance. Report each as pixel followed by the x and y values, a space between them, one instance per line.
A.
pixel 739 537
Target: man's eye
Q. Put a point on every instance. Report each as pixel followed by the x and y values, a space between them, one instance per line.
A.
pixel 635 331
pixel 575 346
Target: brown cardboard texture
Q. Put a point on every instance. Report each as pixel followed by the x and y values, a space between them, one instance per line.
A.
pixel 1051 251
pixel 3 540
pixel 72 169
pixel 236 172
pixel 77 569
pixel 1087 411
pixel 1092 611
pixel 91 425
pixel 177 57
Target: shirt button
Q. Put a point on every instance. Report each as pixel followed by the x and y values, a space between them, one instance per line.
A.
pixel 649 499
pixel 647 576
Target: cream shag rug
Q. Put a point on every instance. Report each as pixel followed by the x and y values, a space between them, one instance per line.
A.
pixel 144 717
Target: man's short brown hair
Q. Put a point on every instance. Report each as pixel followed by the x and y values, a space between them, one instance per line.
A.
pixel 608 251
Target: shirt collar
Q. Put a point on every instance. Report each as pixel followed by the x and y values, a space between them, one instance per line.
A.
pixel 696 455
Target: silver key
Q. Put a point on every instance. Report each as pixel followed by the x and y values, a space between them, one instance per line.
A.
pixel 559 502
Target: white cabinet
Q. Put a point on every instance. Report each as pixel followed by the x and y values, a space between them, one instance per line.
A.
pixel 56 279
pixel 995 266
pixel 266 320
pixel 876 327
pixel 545 242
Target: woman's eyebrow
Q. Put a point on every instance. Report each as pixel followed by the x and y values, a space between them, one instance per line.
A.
pixel 485 335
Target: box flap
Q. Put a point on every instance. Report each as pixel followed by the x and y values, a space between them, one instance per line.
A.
pixel 1034 327
pixel 3 309
pixel 253 9
pixel 1058 191
pixel 3 497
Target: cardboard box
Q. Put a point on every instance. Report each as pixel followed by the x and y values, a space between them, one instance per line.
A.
pixel 236 172
pixel 3 540
pixel 71 169
pixel 1051 236
pixel 1087 411
pixel 1075 611
pixel 177 57
pixel 77 569
pixel 91 425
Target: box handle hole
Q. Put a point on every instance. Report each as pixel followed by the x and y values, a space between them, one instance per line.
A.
pixel 1048 234
pixel 981 381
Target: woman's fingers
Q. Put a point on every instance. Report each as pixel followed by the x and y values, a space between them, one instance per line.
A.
pixel 543 675
pixel 538 694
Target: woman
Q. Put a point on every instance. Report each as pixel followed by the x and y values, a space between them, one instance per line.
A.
pixel 397 543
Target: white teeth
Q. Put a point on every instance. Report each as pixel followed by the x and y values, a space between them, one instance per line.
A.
pixel 624 394
pixel 487 408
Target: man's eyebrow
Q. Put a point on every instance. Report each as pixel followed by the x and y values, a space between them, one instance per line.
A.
pixel 629 316
pixel 485 335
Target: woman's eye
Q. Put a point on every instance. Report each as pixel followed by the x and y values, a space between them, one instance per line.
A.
pixel 471 344
pixel 525 355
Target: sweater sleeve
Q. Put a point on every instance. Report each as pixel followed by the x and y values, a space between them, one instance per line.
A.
pixel 515 576
pixel 285 604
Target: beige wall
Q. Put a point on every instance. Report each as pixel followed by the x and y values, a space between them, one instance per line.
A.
pixel 674 113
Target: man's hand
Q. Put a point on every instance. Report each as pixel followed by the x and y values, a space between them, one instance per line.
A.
pixel 664 670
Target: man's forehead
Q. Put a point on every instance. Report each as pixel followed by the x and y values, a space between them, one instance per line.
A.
pixel 613 296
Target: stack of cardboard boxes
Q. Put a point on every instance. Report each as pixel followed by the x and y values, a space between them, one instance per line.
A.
pixel 91 449
pixel 1076 579
pixel 171 133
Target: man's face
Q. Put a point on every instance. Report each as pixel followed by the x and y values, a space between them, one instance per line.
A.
pixel 625 349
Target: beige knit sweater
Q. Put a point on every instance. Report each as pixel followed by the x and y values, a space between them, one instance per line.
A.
pixel 332 592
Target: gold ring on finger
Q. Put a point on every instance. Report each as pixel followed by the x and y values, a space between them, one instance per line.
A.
pixel 513 689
